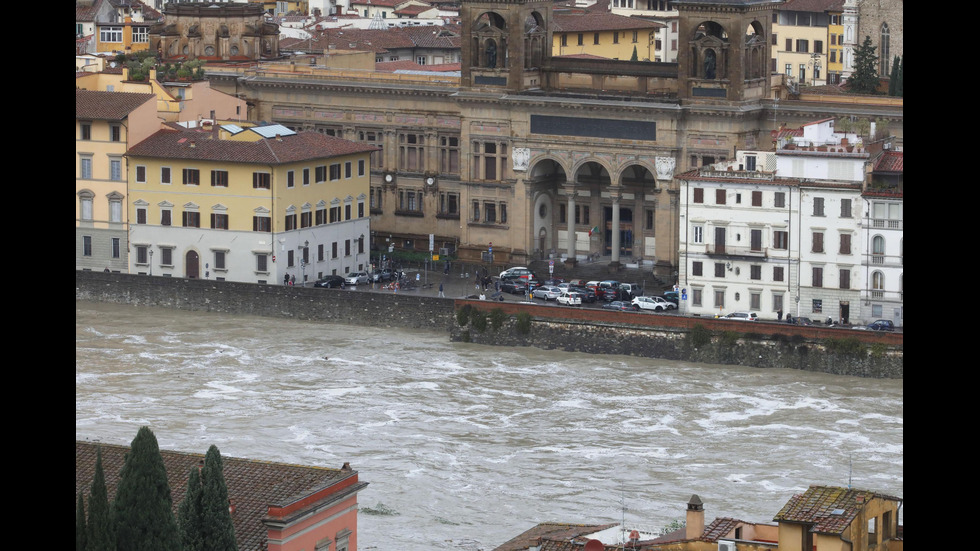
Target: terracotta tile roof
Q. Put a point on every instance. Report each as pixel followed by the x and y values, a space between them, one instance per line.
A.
pixel 830 510
pixel 891 161
pixel 719 528
pixel 175 144
pixel 819 6
pixel 107 106
pixel 252 485
pixel 85 13
pixel 591 21
pixel 553 536
pixel 433 36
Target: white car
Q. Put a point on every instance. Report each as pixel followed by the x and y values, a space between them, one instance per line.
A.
pixel 515 271
pixel 547 292
pixel 741 316
pixel 569 299
pixel 656 304
pixel 355 278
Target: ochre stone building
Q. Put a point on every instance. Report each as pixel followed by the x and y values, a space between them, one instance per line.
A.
pixel 536 156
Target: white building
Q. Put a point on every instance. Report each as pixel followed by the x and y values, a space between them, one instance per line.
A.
pixel 805 239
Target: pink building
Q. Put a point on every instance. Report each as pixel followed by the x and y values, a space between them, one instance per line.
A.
pixel 274 506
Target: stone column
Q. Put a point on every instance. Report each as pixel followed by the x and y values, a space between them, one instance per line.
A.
pixel 614 194
pixel 570 218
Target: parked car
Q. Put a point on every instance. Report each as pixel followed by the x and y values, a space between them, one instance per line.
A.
pixel 547 292
pixel 515 271
pixel 355 278
pixel 631 290
pixel 555 281
pixel 882 325
pixel 618 305
pixel 330 282
pixel 514 286
pixel 672 296
pixel 569 298
pixel 743 316
pixel 656 304
pixel 386 274
pixel 588 295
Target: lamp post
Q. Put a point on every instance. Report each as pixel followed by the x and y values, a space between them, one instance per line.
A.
pixel 815 64
pixel 302 258
pixel 151 260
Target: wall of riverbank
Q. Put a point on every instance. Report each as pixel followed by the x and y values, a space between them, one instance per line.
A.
pixel 823 349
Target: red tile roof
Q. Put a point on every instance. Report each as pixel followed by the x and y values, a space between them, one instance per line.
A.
pixel 252 485
pixel 553 536
pixel 107 106
pixel 818 6
pixel 592 21
pixel 891 161
pixel 830 510
pixel 174 144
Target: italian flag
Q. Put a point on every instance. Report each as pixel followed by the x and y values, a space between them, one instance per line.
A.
pixel 594 230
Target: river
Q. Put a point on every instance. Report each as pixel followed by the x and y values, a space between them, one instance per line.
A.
pixel 466 446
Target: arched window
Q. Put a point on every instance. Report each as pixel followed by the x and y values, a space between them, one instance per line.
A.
pixel 878 250
pixel 878 281
pixel 884 50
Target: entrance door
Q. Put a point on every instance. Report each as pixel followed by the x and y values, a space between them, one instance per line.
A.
pixel 192 265
pixel 845 312
pixel 720 240
pixel 625 231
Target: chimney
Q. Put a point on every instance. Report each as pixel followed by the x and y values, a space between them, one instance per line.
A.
pixel 346 466
pixel 695 518
pixel 214 126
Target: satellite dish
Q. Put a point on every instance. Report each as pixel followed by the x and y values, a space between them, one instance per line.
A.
pixel 594 545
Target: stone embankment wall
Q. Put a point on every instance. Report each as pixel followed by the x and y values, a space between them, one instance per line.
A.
pixel 702 340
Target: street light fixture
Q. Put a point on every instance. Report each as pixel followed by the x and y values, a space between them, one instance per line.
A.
pixel 302 258
pixel 151 260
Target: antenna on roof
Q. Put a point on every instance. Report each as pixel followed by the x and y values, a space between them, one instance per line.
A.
pixel 850 469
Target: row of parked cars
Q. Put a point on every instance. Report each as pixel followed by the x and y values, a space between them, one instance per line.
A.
pixel 616 295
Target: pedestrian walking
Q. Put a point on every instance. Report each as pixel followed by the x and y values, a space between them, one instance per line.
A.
pixel 285 279
pixel 441 294
pixel 292 280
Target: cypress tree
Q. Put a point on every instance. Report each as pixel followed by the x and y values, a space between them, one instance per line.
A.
pixel 189 514
pixel 217 527
pixel 634 57
pixel 865 78
pixel 100 532
pixel 80 523
pixel 144 508
pixel 899 87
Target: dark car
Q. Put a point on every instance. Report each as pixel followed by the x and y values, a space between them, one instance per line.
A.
pixel 330 282
pixel 588 295
pixel 882 325
pixel 515 286
pixel 672 296
pixel 386 274
pixel 618 305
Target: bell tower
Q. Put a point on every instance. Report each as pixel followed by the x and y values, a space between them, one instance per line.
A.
pixel 505 43
pixel 724 49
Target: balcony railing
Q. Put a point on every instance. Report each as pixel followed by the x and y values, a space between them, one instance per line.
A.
pixel 731 250
pixel 887 224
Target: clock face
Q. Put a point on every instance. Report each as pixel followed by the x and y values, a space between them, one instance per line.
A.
pixel 387 177
pixel 430 180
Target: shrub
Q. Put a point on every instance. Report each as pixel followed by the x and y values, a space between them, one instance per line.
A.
pixel 877 350
pixel 497 318
pixel 523 323
pixel 728 339
pixel 478 320
pixel 463 315
pixel 698 336
pixel 847 346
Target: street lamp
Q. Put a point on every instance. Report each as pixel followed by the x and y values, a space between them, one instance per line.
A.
pixel 815 63
pixel 151 260
pixel 302 258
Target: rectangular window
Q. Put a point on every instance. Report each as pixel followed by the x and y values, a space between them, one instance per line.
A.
pixel 333 250
pixel 719 269
pixel 780 240
pixel 110 34
pixel 141 174
pixel 845 279
pixel 261 180
pixel 845 243
pixel 219 221
pixel 306 176
pixel 85 167
pixel 360 209
pixel 219 178
pixel 476 211
pixel 650 220
pixel 192 177
pixel 165 175
pixel 756 198
pixel 115 133
pixel 755 301
pixel 697 234
pixel 141 216
pixel 845 208
pixel 818 46
pixel 305 219
pixel 321 173
pixel 789 45
pixel 290 222
pixel 817 277
pixel 789 70
pixel 290 258
pixel 115 245
pixel 115 169
pixel 85 130
pixel 719 299
pixel 581 39
pixel 219 260
pixel 191 219
pixel 290 179
pixel 777 302
pixel 817 242
pixel 166 217
pixel 817 306
pixel 261 223
pixel 697 297
pixel 818 206
pixel 347 212
pixel 348 169
pixel 802 46
pixel 720 197
pixel 449 154
pixel 755 240
pixel 562 214
pixel 777 273
pixel 334 171
pixel 141 35
pixel 697 268
pixel 635 37
pixel 698 195
pixel 490 212
pixel 86 245
pixel 411 152
pixel 615 37
pixel 595 38
pixel 755 272
pixel 360 167
pixel 141 254
pixel 779 200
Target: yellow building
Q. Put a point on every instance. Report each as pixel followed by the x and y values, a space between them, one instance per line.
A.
pixel 106 124
pixel 835 52
pixel 839 519
pixel 800 40
pixel 251 204
pixel 600 33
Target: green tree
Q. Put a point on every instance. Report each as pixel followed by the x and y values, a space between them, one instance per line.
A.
pixel 217 527
pixel 80 523
pixel 895 82
pixel 634 57
pixel 189 514
pixel 144 508
pixel 865 79
pixel 100 532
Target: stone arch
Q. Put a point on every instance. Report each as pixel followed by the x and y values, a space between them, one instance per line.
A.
pixel 192 264
pixel 755 51
pixel 535 36
pixel 489 41
pixel 591 170
pixel 710 51
pixel 638 174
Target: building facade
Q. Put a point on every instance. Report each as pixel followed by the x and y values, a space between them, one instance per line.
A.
pixel 260 204
pixel 106 124
pixel 226 32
